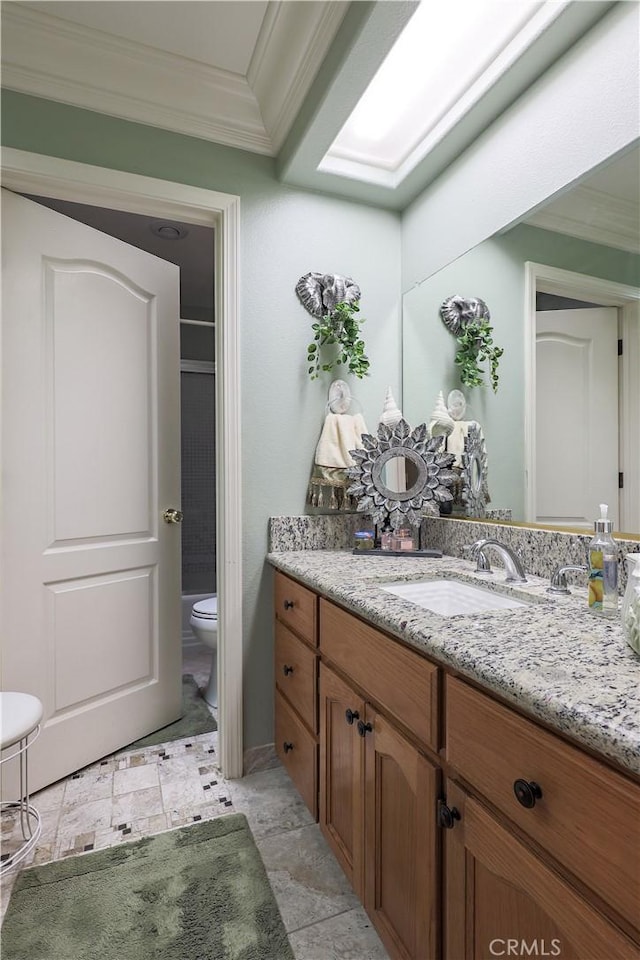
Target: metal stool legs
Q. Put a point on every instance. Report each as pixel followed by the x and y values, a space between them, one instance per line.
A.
pixel 30 824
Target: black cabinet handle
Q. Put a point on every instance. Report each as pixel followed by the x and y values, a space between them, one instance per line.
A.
pixel 287 670
pixel 287 746
pixel 527 792
pixel 288 604
pixel 351 715
pixel 364 728
pixel 447 816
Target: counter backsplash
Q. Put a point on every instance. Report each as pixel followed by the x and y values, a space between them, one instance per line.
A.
pixel 541 550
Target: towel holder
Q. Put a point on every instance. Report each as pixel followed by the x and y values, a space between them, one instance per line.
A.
pixel 340 397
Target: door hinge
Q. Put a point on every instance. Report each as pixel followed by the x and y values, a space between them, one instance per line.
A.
pixel 619 348
pixel 620 481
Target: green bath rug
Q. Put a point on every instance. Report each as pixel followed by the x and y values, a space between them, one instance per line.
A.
pixel 197 893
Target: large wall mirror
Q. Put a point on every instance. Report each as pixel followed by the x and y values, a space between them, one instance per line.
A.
pixel 562 288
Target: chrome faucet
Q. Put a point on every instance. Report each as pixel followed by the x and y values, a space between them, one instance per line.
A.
pixel 512 562
pixel 558 583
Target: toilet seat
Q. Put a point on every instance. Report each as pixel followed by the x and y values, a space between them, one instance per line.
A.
pixel 206 609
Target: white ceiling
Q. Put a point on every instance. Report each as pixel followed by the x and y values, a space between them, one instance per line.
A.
pixel 235 73
pixel 238 73
pixel 220 34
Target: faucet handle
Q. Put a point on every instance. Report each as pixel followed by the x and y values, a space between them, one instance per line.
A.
pixel 558 584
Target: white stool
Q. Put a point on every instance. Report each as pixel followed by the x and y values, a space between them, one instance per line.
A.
pixel 20 714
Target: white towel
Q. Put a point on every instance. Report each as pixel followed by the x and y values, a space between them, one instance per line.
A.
pixel 341 432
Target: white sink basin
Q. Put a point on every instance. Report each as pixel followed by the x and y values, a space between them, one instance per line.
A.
pixel 451 598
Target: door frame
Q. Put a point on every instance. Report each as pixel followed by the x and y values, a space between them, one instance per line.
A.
pixel 26 172
pixel 605 293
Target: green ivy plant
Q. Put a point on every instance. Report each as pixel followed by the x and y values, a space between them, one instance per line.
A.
pixel 475 347
pixel 340 329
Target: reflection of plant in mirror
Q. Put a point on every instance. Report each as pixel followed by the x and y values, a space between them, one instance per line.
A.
pixel 475 347
pixel 341 329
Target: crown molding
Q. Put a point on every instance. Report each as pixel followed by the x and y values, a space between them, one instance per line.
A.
pixel 595 216
pixel 52 58
pixel 293 42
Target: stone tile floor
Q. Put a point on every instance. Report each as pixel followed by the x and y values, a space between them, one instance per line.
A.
pixel 134 794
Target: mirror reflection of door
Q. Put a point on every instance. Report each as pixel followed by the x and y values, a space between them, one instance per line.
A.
pixel 400 474
pixel 577 452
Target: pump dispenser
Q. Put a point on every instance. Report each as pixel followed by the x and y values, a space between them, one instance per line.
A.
pixel 603 567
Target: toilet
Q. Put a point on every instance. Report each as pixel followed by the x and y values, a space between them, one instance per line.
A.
pixel 204 623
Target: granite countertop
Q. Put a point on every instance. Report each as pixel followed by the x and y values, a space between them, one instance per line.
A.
pixel 553 658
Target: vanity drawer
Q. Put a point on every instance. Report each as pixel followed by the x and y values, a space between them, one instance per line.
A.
pixel 297 607
pixel 402 682
pixel 296 675
pixel 298 751
pixel 588 815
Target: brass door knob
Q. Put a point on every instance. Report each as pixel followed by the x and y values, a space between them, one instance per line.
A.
pixel 171 515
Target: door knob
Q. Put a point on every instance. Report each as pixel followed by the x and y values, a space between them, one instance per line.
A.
pixel 171 515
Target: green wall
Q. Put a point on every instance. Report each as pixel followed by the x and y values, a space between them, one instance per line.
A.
pixel 493 271
pixel 285 232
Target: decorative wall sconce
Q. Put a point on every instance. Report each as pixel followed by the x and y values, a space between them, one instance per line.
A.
pixel 468 320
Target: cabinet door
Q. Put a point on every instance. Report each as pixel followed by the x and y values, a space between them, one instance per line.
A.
pixel 501 900
pixel 342 774
pixel 401 862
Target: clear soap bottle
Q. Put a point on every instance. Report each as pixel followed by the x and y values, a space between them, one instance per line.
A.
pixel 603 567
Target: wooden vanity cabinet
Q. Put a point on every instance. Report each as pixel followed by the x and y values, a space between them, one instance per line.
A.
pixel 544 840
pixel 450 860
pixel 378 790
pixel 296 674
pixel 501 899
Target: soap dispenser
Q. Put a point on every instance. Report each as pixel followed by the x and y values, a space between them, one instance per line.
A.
pixel 603 567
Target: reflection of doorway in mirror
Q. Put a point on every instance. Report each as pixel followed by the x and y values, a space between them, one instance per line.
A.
pixel 558 421
pixel 576 414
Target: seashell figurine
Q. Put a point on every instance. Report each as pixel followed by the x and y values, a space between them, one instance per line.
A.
pixel 319 293
pixel 391 413
pixel 441 423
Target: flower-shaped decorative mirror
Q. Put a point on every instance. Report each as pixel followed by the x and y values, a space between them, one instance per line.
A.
pixel 475 488
pixel 401 475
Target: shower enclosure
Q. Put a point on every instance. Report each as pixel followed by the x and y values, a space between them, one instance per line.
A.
pixel 198 454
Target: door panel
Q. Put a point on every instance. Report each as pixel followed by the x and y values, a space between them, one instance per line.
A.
pixel 576 414
pixel 108 489
pixel 401 857
pixel 342 774
pixel 119 607
pixel 90 454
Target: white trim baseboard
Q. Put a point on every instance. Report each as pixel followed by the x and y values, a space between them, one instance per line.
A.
pixel 100 186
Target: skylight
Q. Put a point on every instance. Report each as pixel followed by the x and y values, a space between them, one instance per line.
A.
pixel 448 56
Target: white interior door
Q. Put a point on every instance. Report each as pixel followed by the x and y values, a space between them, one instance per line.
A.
pixel 90 458
pixel 576 415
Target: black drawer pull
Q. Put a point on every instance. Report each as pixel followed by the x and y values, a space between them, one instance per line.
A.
pixel 527 792
pixel 447 816
pixel 364 728
pixel 287 670
pixel 351 715
pixel 287 746
pixel 288 604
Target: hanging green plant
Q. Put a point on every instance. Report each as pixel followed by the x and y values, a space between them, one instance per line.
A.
pixel 475 347
pixel 340 330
